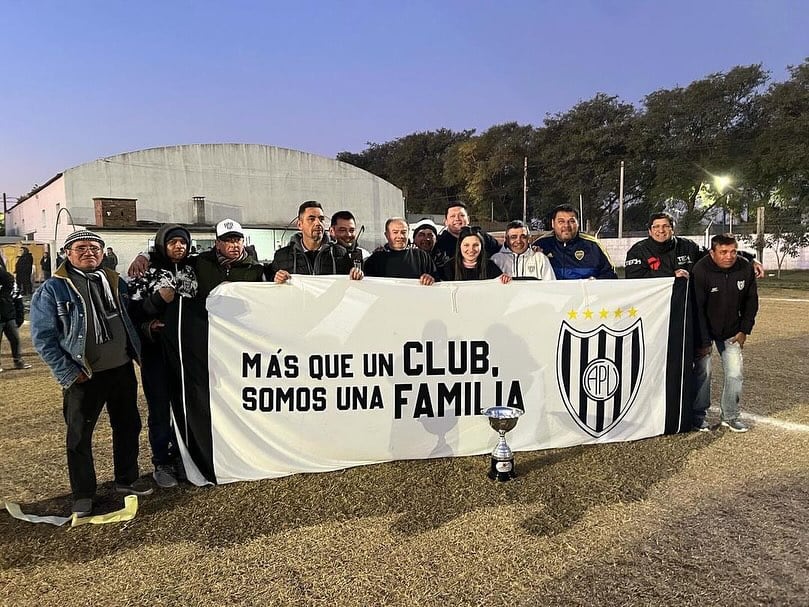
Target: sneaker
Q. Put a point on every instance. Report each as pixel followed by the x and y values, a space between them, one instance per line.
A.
pixel 164 476
pixel 82 507
pixel 21 365
pixel 701 426
pixel 139 487
pixel 735 425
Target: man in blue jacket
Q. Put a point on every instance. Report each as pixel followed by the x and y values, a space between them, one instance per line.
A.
pixel 574 255
pixel 80 328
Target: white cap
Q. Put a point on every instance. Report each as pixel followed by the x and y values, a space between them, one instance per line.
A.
pixel 228 227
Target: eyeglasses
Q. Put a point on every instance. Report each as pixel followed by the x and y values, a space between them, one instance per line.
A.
pixel 86 249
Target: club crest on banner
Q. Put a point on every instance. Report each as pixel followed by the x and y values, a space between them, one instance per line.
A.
pixel 599 373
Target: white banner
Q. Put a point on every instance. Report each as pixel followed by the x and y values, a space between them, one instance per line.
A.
pixel 324 373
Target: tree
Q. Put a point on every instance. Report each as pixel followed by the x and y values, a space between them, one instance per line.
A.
pixel 780 158
pixel 688 135
pixel 579 152
pixel 784 232
pixel 414 163
pixel 489 170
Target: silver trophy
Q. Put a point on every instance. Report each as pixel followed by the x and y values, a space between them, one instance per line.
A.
pixel 502 419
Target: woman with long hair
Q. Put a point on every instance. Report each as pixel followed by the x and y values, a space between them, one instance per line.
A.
pixel 470 261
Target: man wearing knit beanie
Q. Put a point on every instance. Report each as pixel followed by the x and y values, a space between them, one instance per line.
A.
pixel 80 328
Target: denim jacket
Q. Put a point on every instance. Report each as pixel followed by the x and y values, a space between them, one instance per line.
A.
pixel 59 325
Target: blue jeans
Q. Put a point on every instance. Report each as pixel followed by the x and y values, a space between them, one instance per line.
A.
pixel 731 354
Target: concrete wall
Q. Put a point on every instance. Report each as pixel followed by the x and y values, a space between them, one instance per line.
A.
pixel 36 216
pixel 258 185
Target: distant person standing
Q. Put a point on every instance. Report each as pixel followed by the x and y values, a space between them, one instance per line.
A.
pixel 110 260
pixel 23 270
pixel 45 264
pixel 81 329
pixel 727 304
pixel 12 315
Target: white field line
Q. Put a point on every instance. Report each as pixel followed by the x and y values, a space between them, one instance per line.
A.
pixel 792 426
pixel 783 299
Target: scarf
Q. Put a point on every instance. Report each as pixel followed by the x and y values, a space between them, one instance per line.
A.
pixel 102 303
pixel 226 263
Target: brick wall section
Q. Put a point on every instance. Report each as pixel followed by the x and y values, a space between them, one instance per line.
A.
pixel 115 212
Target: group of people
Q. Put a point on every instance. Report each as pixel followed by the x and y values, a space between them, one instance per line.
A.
pixel 89 325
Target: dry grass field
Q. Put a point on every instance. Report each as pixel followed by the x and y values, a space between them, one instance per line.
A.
pixel 694 519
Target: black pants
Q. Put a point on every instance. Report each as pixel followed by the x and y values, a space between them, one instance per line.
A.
pixel 82 404
pixel 154 376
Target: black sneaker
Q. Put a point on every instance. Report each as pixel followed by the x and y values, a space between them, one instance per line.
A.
pixel 735 425
pixel 82 507
pixel 139 487
pixel 701 426
pixel 164 476
pixel 21 365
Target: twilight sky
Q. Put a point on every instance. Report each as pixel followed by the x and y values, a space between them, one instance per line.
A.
pixel 87 79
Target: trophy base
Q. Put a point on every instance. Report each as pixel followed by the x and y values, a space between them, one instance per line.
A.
pixel 502 470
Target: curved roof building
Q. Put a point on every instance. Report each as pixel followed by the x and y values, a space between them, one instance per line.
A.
pixel 260 186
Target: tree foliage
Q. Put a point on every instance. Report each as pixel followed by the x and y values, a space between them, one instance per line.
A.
pixel 735 123
pixel 414 163
pixel 488 169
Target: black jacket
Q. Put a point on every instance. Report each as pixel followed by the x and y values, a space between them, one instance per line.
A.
pixel 651 259
pixel 411 262
pixel 448 243
pixel 330 258
pixel 727 300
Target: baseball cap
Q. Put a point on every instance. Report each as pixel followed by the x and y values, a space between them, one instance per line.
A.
pixel 229 227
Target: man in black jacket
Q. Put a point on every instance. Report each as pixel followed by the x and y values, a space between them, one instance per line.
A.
pixel 12 315
pixel 663 254
pixel 456 218
pixel 727 303
pixel 310 251
pixel 23 269
pixel 397 259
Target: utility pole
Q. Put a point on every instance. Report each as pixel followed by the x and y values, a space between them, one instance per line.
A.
pixel 621 203
pixel 760 233
pixel 525 191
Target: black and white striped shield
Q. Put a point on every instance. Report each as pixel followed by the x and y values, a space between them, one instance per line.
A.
pixel 599 373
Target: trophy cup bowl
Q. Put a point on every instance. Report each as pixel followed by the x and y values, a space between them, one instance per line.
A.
pixel 502 419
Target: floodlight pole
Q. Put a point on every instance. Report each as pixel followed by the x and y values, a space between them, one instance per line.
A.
pixel 621 203
pixel 525 191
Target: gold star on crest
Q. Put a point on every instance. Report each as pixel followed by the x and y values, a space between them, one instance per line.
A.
pixel 633 312
pixel 618 312
pixel 604 313
pixel 588 314
pixel 572 314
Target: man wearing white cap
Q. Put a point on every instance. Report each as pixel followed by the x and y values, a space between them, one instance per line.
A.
pixel 227 261
pixel 80 328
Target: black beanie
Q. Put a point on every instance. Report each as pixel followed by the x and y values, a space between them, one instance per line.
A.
pixel 177 233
